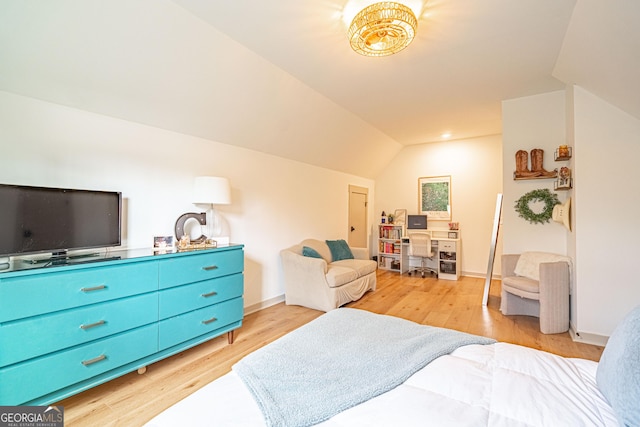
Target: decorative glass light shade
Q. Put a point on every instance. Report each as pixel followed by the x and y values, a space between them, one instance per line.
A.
pixel 382 29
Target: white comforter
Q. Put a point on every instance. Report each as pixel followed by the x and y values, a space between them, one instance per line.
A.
pixel 477 385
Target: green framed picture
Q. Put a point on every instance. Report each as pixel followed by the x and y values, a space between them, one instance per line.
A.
pixel 434 197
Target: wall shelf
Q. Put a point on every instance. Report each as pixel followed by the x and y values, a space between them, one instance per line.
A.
pixel 568 185
pixel 565 156
pixel 524 178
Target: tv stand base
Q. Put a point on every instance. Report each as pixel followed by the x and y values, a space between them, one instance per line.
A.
pixel 61 258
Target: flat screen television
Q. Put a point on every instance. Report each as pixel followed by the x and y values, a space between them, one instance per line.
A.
pixel 57 220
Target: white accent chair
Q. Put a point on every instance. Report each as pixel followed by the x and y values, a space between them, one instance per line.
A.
pixel 420 247
pixel 546 298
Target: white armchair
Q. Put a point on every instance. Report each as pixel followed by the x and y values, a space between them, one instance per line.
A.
pixel 543 293
pixel 322 283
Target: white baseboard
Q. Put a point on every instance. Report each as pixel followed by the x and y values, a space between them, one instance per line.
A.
pixel 480 275
pixel 587 338
pixel 263 304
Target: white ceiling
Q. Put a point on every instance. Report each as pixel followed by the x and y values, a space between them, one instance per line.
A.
pixel 278 76
pixel 468 55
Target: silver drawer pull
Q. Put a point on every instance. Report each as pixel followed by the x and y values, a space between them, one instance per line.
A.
pixel 206 322
pixel 210 267
pixel 92 325
pixel 210 294
pixel 94 360
pixel 94 288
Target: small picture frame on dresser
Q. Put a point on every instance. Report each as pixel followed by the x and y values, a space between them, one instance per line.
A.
pixel 162 243
pixel 453 234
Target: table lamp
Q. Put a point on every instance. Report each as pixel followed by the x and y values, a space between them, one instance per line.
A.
pixel 211 190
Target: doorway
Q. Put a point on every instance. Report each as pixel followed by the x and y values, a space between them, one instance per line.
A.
pixel 358 200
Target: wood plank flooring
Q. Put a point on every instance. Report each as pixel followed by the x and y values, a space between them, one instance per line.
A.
pixel 134 399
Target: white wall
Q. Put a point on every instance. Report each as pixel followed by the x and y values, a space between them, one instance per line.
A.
pixel 532 122
pixel 475 167
pixel 605 199
pixel 275 202
pixel 607 202
pixel 165 67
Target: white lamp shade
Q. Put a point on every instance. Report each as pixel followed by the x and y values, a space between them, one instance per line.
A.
pixel 211 190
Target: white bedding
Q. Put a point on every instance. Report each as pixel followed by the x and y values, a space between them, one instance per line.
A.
pixel 476 385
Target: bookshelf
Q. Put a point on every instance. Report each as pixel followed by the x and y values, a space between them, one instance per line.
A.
pixel 390 246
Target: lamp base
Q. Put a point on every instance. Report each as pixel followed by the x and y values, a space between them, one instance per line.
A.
pixel 221 240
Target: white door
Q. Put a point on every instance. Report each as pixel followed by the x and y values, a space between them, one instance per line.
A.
pixel 358 216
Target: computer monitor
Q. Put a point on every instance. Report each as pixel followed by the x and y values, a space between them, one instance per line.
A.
pixel 417 222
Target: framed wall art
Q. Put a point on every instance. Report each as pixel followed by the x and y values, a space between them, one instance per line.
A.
pixel 434 197
pixel 400 217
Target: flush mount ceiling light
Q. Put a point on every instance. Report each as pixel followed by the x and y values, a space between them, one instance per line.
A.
pixel 382 29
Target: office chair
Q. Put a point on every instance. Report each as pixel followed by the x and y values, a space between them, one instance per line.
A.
pixel 420 247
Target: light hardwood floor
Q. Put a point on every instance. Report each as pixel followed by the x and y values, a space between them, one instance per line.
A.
pixel 134 399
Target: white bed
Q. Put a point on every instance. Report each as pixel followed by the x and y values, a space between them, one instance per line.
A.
pixel 496 384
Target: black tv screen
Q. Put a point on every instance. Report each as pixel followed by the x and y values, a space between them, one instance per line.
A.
pixel 417 222
pixel 42 219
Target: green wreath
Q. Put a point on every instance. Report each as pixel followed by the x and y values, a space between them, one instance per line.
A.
pixel 542 195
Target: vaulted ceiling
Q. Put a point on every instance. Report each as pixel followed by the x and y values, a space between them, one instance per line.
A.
pixel 278 76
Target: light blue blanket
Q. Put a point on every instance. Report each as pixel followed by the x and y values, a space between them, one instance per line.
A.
pixel 339 360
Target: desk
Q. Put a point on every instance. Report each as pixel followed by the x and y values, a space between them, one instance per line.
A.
pixel 393 251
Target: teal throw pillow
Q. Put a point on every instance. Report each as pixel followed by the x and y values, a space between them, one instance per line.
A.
pixel 618 374
pixel 310 252
pixel 339 250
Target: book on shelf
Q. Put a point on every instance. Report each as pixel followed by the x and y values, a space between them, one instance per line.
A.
pixel 389 247
pixel 390 232
pixel 386 262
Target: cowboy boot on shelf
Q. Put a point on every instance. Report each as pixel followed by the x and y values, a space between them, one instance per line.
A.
pixel 537 157
pixel 522 165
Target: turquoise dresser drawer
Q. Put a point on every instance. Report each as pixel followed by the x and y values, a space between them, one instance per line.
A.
pixel 181 270
pixel 24 339
pixel 199 322
pixel 30 295
pixel 28 380
pixel 185 298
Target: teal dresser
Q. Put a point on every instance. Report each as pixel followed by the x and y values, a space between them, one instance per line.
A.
pixel 64 329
